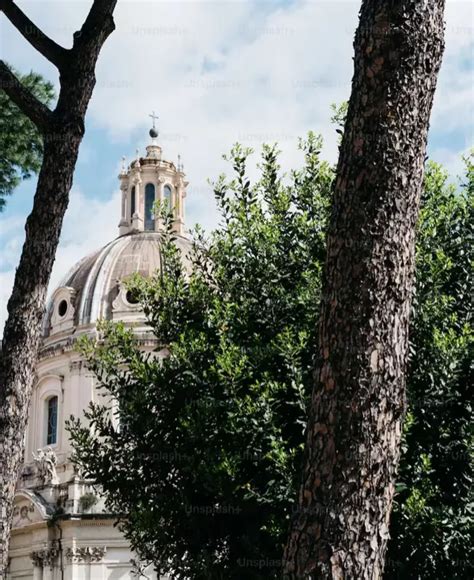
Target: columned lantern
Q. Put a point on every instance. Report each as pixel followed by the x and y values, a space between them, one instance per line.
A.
pixel 146 181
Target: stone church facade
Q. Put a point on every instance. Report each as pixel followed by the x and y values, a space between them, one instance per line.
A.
pixel 61 528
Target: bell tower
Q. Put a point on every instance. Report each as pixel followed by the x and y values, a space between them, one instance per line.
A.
pixel 147 180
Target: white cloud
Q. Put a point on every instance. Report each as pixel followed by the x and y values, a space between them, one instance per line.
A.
pixel 219 72
pixel 87 227
pixel 453 107
pixel 453 162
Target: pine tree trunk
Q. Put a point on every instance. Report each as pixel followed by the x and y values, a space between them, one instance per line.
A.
pixel 340 527
pixel 25 307
pixel 62 130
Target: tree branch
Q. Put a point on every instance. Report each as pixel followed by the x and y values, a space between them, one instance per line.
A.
pixel 36 37
pixel 97 26
pixel 34 109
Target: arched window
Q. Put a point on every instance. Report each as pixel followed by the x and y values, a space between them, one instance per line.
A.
pixel 149 202
pixel 51 421
pixel 167 196
pixel 132 202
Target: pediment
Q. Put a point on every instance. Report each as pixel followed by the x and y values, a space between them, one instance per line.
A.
pixel 28 509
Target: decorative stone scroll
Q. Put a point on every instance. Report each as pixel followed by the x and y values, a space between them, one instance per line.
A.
pixel 85 553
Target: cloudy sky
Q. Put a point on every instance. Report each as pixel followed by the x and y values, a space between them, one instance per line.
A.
pixel 215 73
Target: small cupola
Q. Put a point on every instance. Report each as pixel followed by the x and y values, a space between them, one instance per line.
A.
pixel 147 180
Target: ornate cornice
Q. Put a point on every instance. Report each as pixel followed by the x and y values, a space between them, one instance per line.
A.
pixel 85 553
pixel 68 345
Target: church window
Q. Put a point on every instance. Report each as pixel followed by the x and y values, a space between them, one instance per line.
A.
pixel 132 202
pixel 167 196
pixel 149 203
pixel 52 420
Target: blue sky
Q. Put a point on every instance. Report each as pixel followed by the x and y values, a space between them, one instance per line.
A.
pixel 216 73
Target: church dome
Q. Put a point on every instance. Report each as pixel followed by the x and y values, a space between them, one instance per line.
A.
pixel 93 289
pixel 50 488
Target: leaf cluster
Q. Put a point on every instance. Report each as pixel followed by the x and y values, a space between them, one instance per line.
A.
pixel 21 144
pixel 433 520
pixel 200 441
pixel 205 451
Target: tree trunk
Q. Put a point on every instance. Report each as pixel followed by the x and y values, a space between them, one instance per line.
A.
pixel 62 130
pixel 25 307
pixel 340 527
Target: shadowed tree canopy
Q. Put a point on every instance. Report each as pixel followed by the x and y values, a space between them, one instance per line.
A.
pixel 432 526
pixel 21 144
pixel 213 435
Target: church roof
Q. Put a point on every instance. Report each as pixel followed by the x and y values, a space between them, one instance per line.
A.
pixel 94 283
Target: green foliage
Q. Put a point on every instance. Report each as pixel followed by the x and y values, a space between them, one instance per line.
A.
pixel 433 520
pixel 21 144
pixel 87 501
pixel 207 455
pixel 338 118
pixel 339 113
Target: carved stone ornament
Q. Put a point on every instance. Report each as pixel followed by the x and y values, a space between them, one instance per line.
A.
pixel 85 553
pixel 45 557
pixel 24 514
pixel 46 461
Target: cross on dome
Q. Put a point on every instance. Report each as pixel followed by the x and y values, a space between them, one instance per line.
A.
pixel 153 116
pixel 153 131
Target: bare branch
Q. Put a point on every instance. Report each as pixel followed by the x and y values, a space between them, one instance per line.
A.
pixel 97 26
pixel 33 108
pixel 36 37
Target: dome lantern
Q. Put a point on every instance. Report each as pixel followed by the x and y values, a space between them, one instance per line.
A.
pixel 148 180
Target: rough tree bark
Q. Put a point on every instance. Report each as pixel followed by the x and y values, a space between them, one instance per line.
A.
pixel 62 131
pixel 340 527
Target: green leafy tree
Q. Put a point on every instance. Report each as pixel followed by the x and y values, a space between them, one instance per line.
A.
pixel 21 143
pixel 433 521
pixel 212 431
